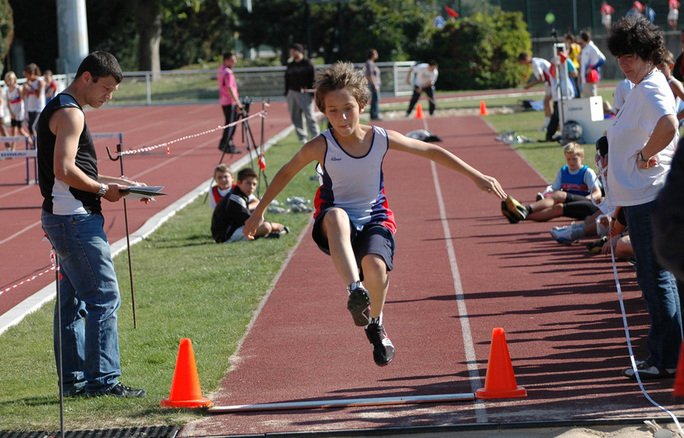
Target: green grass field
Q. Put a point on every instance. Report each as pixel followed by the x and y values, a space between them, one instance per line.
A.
pixel 186 286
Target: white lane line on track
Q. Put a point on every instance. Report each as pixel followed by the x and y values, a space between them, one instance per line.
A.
pixel 471 359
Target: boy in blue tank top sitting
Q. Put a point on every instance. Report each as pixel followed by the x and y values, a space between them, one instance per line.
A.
pixel 352 219
pixel 571 193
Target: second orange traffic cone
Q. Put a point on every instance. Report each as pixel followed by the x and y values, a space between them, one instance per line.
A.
pixel 483 109
pixel 678 389
pixel 185 388
pixel 419 112
pixel 500 379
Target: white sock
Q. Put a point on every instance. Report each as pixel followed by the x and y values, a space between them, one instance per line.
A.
pixel 377 320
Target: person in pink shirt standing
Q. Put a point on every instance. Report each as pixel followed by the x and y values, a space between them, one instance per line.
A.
pixel 230 101
pixel 673 14
pixel 607 12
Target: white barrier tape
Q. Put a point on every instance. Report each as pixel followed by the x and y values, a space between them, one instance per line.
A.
pixel 28 153
pixel 26 280
pixel 187 137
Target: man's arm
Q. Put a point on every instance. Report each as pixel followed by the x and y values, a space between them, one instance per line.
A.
pixel 67 124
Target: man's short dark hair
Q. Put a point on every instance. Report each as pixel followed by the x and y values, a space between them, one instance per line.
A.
pixel 227 55
pixel 245 173
pixel 101 64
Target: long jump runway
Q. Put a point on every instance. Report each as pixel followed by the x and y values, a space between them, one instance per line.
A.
pixel 460 270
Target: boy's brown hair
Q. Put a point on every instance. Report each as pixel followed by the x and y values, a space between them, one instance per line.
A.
pixel 245 173
pixel 341 75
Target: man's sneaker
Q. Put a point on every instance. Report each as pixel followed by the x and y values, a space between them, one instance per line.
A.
pixel 121 390
pixel 564 235
pixel 358 305
pixel 647 371
pixel 383 350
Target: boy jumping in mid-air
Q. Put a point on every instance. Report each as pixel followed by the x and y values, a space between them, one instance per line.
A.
pixel 353 222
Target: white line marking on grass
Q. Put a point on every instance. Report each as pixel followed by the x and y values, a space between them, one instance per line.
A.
pixel 471 359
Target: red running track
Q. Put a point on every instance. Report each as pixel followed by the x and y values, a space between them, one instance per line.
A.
pixel 557 304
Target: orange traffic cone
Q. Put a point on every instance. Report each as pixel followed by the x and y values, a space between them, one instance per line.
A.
pixel 483 109
pixel 185 388
pixel 500 380
pixel 419 112
pixel 678 389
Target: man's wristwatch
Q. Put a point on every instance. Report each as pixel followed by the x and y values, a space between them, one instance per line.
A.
pixel 641 157
pixel 103 190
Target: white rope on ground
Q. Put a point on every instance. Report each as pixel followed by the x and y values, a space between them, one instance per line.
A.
pixel 168 144
pixel 629 346
pixel 27 280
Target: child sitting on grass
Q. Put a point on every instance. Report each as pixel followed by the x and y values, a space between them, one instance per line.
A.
pixel 352 219
pixel 232 211
pixel 573 190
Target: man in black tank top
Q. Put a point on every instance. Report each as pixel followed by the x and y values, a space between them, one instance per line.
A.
pixel 72 219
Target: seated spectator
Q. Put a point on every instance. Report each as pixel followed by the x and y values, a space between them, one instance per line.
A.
pixel 232 211
pixel 224 184
pixel 619 240
pixel 595 225
pixel 574 189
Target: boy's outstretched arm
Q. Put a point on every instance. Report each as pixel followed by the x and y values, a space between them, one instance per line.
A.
pixel 441 156
pixel 311 151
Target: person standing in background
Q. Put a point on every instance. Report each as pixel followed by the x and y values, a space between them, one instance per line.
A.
pixel 607 12
pixel 591 61
pixel 230 101
pixel 673 14
pixel 50 86
pixel 425 76
pixel 373 77
pixel 34 92
pixel 299 79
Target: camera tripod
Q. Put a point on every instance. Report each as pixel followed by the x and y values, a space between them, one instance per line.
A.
pixel 248 137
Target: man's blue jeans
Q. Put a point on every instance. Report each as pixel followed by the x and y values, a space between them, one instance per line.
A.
pixel 89 300
pixel 659 290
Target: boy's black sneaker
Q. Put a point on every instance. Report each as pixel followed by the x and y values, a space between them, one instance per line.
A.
pixel 121 390
pixel 358 305
pixel 383 350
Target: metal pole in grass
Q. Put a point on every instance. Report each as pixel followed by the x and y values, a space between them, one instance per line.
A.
pixel 119 157
pixel 58 326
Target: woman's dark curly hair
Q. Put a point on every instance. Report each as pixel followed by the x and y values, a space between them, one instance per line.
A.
pixel 637 36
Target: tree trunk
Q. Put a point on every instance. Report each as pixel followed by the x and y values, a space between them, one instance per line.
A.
pixel 148 20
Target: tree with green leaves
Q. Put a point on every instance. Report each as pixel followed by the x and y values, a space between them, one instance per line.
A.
pixel 6 30
pixel 337 29
pixel 479 52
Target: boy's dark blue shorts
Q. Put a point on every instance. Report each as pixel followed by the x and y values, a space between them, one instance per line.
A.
pixel 372 239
